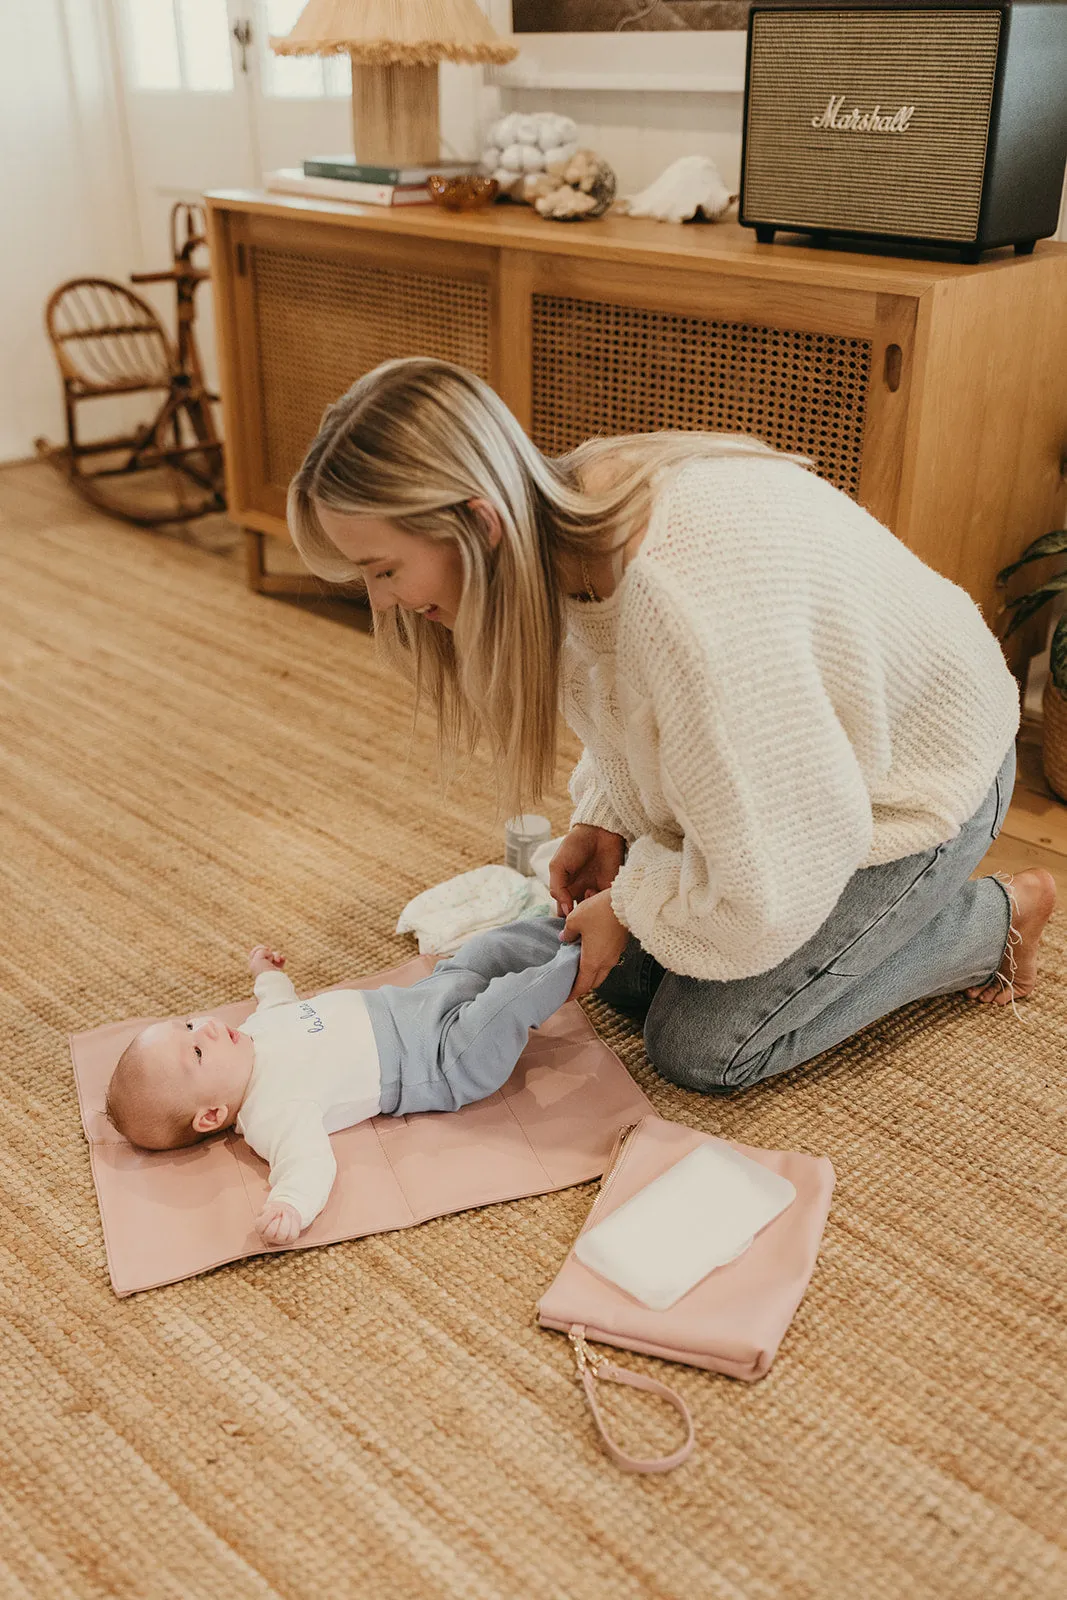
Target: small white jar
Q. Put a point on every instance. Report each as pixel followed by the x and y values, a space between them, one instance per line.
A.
pixel 522 835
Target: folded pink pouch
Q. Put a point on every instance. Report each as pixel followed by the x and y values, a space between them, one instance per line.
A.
pixel 732 1321
pixel 172 1214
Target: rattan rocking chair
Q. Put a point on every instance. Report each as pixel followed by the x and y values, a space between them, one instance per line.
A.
pixel 109 342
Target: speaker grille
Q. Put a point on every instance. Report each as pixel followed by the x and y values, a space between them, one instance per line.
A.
pixel 321 322
pixel 605 369
pixel 924 183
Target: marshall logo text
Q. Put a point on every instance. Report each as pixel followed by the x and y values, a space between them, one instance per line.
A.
pixel 857 121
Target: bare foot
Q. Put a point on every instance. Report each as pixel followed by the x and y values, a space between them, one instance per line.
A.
pixel 1033 896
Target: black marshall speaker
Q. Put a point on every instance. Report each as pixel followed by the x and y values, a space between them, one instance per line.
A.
pixel 915 123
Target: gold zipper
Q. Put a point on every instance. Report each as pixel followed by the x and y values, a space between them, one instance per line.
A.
pixel 617 1152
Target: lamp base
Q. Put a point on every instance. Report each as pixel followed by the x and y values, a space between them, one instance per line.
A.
pixel 395 120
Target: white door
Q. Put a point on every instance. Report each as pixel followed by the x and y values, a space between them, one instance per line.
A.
pixel 302 104
pixel 209 106
pixel 188 107
pixel 189 115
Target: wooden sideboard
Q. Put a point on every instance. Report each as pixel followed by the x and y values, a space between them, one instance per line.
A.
pixel 934 393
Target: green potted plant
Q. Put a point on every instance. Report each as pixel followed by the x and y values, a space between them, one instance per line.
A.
pixel 1021 609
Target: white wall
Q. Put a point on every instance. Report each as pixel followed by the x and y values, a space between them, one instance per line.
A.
pixel 65 199
pixel 689 101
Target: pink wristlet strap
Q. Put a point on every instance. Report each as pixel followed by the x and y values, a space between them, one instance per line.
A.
pixel 594 1368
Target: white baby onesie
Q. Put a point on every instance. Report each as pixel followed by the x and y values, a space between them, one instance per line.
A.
pixel 316 1070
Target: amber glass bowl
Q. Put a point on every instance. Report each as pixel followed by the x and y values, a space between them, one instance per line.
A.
pixel 462 194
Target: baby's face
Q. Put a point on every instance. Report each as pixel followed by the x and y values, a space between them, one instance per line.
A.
pixel 200 1056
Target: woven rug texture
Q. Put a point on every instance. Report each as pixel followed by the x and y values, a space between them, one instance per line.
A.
pixel 187 769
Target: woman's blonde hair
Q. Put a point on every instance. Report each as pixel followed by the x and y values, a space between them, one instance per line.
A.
pixel 414 442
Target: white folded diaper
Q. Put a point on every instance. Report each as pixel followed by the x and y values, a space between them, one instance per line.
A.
pixel 443 917
pixel 698 1215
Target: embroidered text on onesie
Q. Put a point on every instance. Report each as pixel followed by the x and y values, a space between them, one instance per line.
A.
pixel 316 1071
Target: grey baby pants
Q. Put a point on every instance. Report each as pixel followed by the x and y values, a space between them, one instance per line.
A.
pixel 456 1035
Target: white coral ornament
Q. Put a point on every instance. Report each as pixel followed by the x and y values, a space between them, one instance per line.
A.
pixel 689 186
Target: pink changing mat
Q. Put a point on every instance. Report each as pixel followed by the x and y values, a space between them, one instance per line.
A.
pixel 172 1214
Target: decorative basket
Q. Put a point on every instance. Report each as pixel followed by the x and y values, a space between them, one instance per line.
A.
pixel 1054 739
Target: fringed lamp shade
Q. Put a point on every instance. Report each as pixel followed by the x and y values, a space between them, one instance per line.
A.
pixel 395 46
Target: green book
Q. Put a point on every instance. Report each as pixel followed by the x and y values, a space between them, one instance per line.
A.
pixel 347 167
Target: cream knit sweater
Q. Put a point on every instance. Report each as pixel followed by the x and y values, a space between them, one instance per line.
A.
pixel 777 694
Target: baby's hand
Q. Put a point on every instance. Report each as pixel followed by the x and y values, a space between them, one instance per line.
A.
pixel 278 1223
pixel 263 959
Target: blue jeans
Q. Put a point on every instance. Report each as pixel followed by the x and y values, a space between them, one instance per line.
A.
pixel 900 932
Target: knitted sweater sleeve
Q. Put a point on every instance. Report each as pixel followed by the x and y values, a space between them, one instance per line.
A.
pixel 772 815
pixel 588 791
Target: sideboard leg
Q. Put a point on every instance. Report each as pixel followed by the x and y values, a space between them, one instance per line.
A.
pixel 255 566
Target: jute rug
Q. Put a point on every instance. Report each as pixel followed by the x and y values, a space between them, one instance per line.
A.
pixel 187 769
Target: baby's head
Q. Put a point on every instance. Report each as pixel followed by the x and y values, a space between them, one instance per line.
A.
pixel 178 1082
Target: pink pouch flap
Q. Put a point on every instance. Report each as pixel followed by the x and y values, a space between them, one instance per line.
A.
pixel 733 1320
pixel 171 1214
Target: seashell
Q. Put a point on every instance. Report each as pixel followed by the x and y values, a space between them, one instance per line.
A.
pixel 689 186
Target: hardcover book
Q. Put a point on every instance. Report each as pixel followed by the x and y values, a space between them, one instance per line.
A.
pixel 347 169
pixel 290 180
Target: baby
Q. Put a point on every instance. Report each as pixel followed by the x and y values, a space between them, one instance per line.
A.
pixel 296 1071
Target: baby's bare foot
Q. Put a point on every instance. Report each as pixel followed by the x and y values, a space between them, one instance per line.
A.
pixel 1033 896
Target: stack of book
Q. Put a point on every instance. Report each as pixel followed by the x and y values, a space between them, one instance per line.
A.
pixel 344 178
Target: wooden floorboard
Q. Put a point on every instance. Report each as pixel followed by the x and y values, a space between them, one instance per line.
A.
pixel 1034 832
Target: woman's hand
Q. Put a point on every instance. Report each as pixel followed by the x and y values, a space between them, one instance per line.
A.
pixel 585 863
pixel 603 940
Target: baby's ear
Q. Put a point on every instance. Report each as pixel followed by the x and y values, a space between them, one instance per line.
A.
pixel 211 1118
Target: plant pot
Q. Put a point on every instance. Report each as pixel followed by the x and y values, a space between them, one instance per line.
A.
pixel 1054 739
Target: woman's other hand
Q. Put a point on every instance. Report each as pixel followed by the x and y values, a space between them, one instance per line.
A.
pixel 585 863
pixel 603 940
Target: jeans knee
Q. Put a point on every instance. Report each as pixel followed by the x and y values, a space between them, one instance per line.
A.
pixel 706 1069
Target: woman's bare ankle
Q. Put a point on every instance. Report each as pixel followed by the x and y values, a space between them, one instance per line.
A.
pixel 1033 898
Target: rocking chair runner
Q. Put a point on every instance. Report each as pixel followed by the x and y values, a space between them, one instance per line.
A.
pixel 108 341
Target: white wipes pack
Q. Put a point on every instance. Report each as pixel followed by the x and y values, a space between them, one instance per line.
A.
pixel 698 1215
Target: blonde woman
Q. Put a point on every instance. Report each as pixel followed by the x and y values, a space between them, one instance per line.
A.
pixel 799 740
